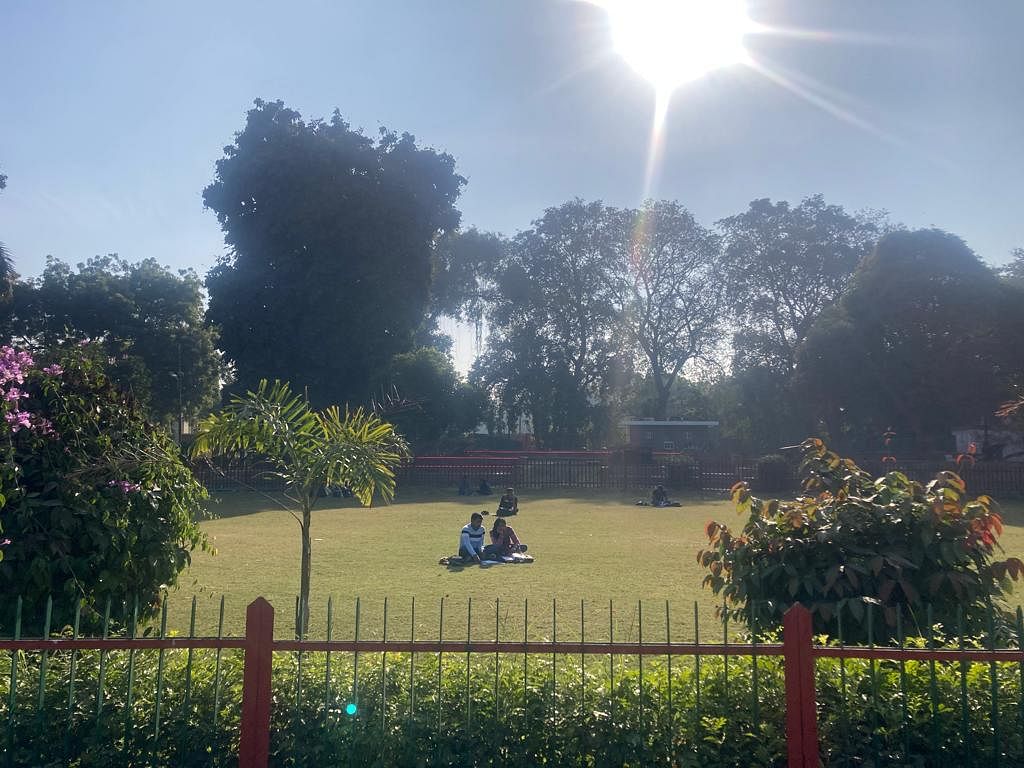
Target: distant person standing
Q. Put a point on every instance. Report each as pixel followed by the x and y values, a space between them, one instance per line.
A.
pixel 464 486
pixel 508 505
pixel 484 489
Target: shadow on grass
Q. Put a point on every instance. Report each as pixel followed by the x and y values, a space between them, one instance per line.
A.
pixel 229 504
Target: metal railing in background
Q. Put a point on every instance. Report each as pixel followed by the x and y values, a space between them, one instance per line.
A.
pixel 541 470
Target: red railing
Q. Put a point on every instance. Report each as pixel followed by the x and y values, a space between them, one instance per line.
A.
pixel 797 650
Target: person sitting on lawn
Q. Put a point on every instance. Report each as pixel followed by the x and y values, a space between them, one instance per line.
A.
pixel 504 541
pixel 471 540
pixel 659 498
pixel 508 505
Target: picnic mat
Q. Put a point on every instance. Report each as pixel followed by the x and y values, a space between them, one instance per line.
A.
pixel 456 562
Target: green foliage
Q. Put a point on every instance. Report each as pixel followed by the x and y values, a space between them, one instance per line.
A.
pixel 784 264
pixel 148 320
pixel 316 214
pixel 7 274
pixel 774 473
pixel 552 344
pixel 668 293
pixel 309 450
pixel 96 499
pixel 463 264
pixel 852 542
pixel 758 408
pixel 926 339
pixel 583 719
pixel 586 296
pixel 437 402
pixel 1013 272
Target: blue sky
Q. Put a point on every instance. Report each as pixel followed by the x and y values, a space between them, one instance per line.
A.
pixel 112 114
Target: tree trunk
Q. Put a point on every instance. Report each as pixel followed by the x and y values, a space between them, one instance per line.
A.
pixel 663 390
pixel 302 618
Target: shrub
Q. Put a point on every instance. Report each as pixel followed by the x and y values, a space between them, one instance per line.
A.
pixel 561 717
pixel 851 543
pixel 96 501
pixel 774 474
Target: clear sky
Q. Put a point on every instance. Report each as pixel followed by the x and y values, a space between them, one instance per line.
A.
pixel 112 114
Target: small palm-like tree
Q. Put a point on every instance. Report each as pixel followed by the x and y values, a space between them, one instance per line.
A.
pixel 308 450
pixel 7 273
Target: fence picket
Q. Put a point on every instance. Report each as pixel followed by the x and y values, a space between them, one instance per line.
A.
pixel 797 651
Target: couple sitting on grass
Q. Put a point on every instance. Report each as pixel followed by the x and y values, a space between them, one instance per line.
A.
pixel 504 542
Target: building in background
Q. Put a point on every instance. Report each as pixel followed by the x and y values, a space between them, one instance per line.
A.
pixel 671 435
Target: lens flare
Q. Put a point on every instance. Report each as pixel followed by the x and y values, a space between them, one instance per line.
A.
pixel 671 42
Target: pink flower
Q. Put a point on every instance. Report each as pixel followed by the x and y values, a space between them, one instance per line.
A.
pixel 53 370
pixel 13 395
pixel 18 420
pixel 44 427
pixel 126 486
pixel 13 365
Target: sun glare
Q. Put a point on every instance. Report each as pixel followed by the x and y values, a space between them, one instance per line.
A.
pixel 671 42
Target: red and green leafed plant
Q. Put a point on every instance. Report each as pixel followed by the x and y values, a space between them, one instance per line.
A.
pixel 865 552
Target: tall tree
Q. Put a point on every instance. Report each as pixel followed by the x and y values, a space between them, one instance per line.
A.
pixel 1013 272
pixel 783 265
pixel 330 236
pixel 7 274
pixel 552 340
pixel 668 292
pixel 926 339
pixel 148 319
pixel 308 449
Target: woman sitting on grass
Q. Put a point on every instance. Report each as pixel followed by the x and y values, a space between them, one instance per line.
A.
pixel 504 541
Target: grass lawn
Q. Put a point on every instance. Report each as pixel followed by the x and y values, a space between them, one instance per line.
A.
pixel 594 547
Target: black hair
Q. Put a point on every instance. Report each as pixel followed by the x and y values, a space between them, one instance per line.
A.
pixel 475 516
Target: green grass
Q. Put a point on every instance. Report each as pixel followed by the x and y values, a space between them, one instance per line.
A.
pixel 594 547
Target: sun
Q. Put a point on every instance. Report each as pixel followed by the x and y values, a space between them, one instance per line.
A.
pixel 671 42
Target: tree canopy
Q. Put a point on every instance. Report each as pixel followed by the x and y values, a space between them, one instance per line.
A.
pixel 922 342
pixel 435 401
pixel 552 341
pixel 667 288
pixel 1014 271
pixel 331 235
pixel 783 265
pixel 148 319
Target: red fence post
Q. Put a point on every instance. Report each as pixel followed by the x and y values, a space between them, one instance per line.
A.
pixel 801 706
pixel 254 745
